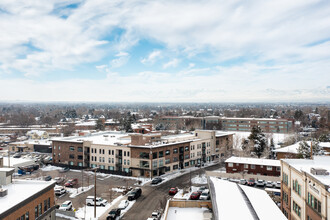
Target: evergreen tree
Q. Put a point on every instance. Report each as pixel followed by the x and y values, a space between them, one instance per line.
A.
pixel 304 150
pixel 99 125
pixel 258 139
pixel 271 148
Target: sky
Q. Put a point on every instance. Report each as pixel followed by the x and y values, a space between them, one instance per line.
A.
pixel 165 50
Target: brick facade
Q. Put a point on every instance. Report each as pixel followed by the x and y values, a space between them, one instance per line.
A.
pixel 70 153
pixel 253 169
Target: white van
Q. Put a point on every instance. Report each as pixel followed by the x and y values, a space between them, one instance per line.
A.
pixel 59 190
pixel 99 201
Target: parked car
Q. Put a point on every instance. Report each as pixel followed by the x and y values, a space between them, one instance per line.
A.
pixel 66 206
pixel 201 189
pixel 59 190
pixel 113 214
pixel 123 204
pixel 17 155
pixel 278 184
pixel 99 201
pixel 134 194
pixel 269 184
pixel 251 182
pixel 156 180
pixel 155 215
pixel 260 183
pixel 243 181
pixel 195 196
pixel 59 180
pixel 48 178
pixel 71 183
pixel 205 195
pixel 65 169
pixel 173 191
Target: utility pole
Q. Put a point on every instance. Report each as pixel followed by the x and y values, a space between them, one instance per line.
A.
pixel 82 179
pixel 311 149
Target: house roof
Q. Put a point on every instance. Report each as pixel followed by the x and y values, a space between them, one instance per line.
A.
pixel 255 161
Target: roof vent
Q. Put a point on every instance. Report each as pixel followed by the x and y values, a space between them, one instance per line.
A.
pixel 319 171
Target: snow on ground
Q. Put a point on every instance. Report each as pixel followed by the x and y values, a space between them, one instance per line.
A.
pixel 123 211
pixel 65 216
pixel 80 213
pixel 77 191
pixel 50 168
pixel 181 196
pixel 175 213
pixel 118 190
pixel 199 179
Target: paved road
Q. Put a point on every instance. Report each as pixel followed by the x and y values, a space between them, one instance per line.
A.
pixel 155 197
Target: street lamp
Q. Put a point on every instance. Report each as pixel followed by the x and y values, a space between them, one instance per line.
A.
pixel 94 169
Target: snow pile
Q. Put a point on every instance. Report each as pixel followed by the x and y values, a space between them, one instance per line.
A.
pixel 118 190
pixel 51 168
pixel 65 216
pixel 75 192
pixel 199 180
pixel 181 196
pixel 130 205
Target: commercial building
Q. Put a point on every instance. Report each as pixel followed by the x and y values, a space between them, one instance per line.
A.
pixel 25 199
pixel 140 154
pixel 254 166
pixel 268 125
pixel 305 188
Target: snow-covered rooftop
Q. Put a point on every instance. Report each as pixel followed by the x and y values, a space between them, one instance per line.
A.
pixel 256 161
pixel 103 138
pixel 14 162
pixel 229 202
pixel 21 190
pixel 175 213
pixel 31 141
pixel 305 165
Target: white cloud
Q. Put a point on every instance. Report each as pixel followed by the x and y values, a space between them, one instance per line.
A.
pixel 172 63
pixel 122 59
pixel 152 57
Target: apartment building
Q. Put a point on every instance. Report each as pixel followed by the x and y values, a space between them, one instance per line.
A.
pixel 139 154
pixel 305 188
pixel 25 199
pixel 268 125
pixel 254 166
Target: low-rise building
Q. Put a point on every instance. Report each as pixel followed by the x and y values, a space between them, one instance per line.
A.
pixel 255 166
pixel 25 199
pixel 305 188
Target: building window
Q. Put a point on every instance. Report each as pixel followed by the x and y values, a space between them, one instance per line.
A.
pixel 186 148
pixel 36 212
pixel 296 209
pixel 102 167
pixel 124 161
pixel 127 162
pixel 109 152
pixel 285 178
pixel 71 156
pixel 175 150
pixel 112 160
pixel 186 156
pixel 253 166
pixel 154 155
pixel 230 164
pixel 144 155
pixel 80 149
pixel 111 168
pixel 80 157
pixel 285 197
pixel 296 187
pixel 40 209
pixel 175 159
pixel 269 168
pixel 246 166
pixel 154 163
pixel 167 152
pixel 124 153
pixel 175 167
pixel 161 162
pixel 314 203
pixel 80 164
pixel 27 216
pixel 45 205
pixel 71 148
pixel 167 169
pixel 186 164
pixel 128 153
pixel 161 154
pixel 167 161
pixel 71 163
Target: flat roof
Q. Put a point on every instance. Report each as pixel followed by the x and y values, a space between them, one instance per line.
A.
pixel 294 147
pixel 305 165
pixel 21 190
pixel 176 213
pixel 234 201
pixel 256 161
pixel 102 138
